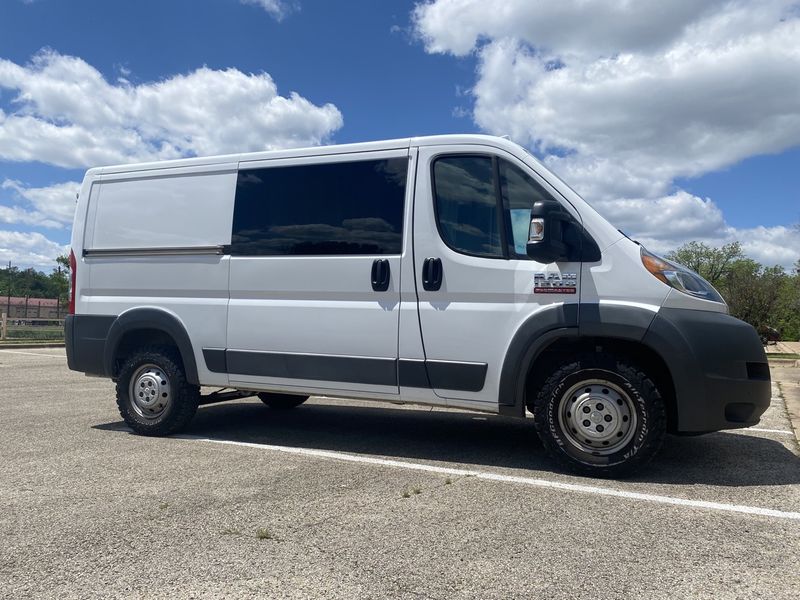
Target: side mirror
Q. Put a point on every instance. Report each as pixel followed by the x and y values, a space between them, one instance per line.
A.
pixel 546 233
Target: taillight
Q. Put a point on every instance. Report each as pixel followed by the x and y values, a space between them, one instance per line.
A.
pixel 73 275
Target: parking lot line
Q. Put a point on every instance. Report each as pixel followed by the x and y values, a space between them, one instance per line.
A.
pixel 757 429
pixel 489 476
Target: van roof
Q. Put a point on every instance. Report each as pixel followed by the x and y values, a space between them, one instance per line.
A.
pixel 432 140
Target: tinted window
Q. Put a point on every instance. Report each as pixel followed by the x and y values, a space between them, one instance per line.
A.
pixel 339 208
pixel 466 205
pixel 519 191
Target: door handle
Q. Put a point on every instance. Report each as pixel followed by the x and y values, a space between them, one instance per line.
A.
pixel 381 273
pixel 432 274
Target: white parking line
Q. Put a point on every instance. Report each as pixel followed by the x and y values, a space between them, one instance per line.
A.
pixel 61 356
pixel 567 487
pixel 756 429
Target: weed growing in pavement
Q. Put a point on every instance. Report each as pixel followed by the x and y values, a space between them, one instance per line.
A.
pixel 230 531
pixel 416 490
pixel 262 533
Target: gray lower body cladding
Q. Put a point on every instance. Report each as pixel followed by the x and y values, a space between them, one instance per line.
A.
pixel 718 366
pixel 85 339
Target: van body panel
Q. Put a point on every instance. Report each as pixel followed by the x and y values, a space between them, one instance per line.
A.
pixel 482 301
pixel 173 211
pixel 620 277
pixel 141 211
pixel 316 320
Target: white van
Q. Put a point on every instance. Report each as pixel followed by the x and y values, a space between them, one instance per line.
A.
pixel 449 270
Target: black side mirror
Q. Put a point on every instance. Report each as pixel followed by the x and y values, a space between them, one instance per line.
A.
pixel 546 239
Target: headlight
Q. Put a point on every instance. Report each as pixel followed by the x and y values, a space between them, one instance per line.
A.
pixel 679 277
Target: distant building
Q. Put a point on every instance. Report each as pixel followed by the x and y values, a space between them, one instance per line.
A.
pixel 30 308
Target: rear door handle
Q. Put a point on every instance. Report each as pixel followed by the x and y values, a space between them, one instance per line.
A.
pixel 381 273
pixel 432 274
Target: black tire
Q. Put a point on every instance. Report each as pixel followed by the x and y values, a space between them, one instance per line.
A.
pixel 159 373
pixel 623 428
pixel 281 401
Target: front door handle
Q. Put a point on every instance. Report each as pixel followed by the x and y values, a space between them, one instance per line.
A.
pixel 432 274
pixel 381 273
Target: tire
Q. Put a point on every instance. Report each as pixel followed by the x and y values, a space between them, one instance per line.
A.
pixel 281 401
pixel 153 395
pixel 599 415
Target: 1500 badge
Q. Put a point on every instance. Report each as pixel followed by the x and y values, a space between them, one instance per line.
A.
pixel 555 283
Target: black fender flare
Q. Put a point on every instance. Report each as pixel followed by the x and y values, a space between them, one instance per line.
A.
pixel 536 333
pixel 150 318
pixel 543 328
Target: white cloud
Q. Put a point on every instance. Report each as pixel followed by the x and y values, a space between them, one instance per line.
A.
pixel 662 224
pixel 52 207
pixel 457 26
pixel 278 9
pixel 67 114
pixel 29 249
pixel 622 98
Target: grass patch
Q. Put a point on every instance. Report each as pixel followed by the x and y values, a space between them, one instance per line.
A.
pixel 448 481
pixel 408 492
pixel 789 355
pixel 163 505
pixel 13 343
pixel 262 533
pixel 35 333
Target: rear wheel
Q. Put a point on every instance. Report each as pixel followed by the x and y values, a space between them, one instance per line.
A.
pixel 153 395
pixel 601 416
pixel 281 401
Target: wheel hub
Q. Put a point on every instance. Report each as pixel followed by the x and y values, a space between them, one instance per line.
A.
pixel 597 416
pixel 150 391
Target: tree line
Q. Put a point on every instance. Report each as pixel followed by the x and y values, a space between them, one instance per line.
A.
pixel 36 284
pixel 766 297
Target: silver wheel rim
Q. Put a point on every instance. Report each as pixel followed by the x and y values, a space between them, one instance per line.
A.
pixel 597 417
pixel 150 391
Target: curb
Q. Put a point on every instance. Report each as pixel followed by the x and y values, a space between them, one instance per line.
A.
pixel 783 362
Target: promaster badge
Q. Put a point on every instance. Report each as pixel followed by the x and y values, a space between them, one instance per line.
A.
pixel 555 283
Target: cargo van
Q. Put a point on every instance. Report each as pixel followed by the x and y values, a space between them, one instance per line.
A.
pixel 452 271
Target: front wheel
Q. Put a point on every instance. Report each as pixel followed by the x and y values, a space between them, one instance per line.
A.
pixel 153 395
pixel 599 415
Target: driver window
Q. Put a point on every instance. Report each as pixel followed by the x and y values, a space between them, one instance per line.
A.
pixel 519 192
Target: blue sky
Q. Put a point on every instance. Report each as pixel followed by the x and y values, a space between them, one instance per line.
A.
pixel 393 69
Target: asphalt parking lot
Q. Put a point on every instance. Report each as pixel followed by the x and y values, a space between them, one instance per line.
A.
pixel 367 500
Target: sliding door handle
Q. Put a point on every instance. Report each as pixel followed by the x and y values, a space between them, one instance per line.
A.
pixel 381 273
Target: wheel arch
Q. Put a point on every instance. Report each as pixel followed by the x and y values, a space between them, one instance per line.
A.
pixel 536 349
pixel 148 326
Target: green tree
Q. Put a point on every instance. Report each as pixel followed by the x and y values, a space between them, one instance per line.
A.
pixel 36 284
pixel 713 264
pixel 754 293
pixel 762 296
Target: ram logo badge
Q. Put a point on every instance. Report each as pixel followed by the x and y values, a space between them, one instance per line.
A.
pixel 555 283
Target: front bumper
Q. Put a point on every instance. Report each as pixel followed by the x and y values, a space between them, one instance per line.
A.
pixel 718 367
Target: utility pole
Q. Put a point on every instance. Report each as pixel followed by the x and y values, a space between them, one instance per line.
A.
pixel 8 307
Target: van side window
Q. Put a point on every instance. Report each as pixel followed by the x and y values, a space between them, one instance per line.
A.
pixel 466 205
pixel 345 208
pixel 519 192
